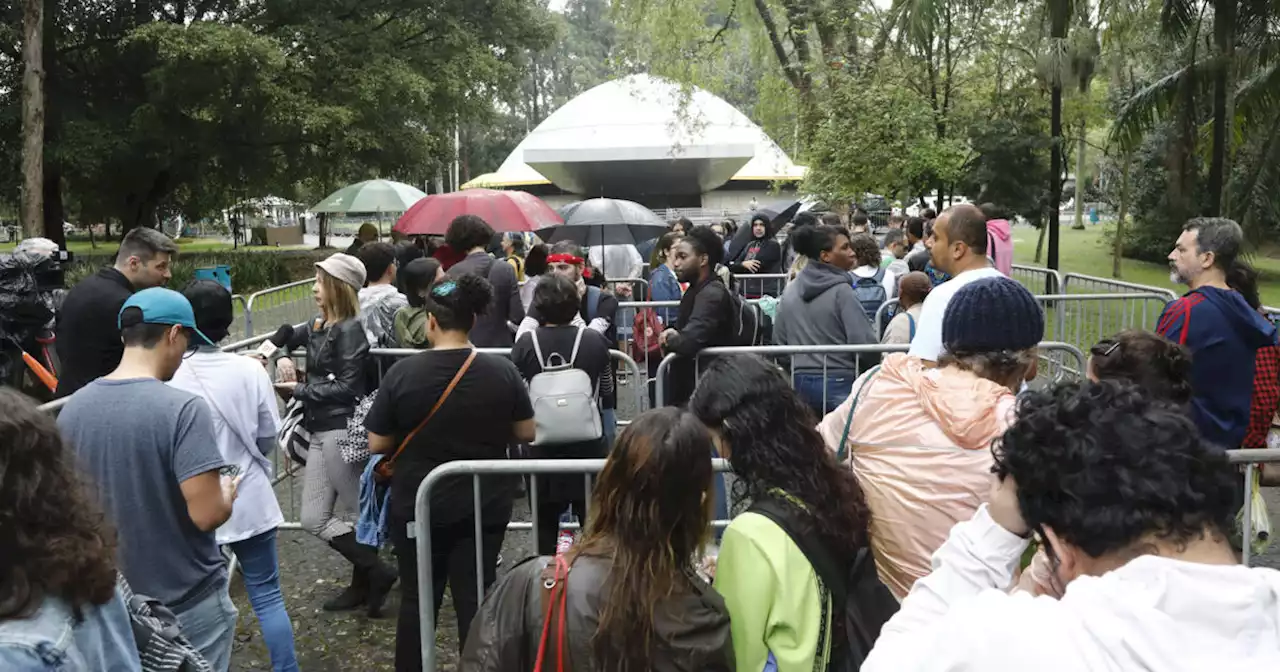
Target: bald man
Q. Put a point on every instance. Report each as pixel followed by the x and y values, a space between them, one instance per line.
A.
pixel 960 250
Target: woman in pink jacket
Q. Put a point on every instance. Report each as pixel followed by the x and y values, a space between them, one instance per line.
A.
pixel 919 437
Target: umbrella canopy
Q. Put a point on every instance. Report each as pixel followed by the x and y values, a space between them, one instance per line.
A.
pixel 504 211
pixel 605 221
pixel 371 196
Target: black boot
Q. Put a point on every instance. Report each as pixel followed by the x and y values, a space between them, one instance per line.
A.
pixel 353 596
pixel 378 578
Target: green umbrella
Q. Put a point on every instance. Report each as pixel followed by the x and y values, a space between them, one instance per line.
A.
pixel 371 196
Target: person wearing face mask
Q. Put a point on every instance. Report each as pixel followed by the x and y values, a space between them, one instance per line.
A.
pixel 1133 508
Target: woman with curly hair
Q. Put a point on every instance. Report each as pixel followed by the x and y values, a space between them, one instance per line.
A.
pixel 782 612
pixel 633 600
pixel 59 605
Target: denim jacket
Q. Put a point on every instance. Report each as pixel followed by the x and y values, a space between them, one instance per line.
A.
pixel 50 639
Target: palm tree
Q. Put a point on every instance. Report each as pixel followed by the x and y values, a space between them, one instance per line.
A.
pixel 1085 51
pixel 1244 49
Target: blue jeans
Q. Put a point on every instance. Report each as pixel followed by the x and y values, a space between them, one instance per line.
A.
pixel 810 385
pixel 210 626
pixel 609 423
pixel 261 569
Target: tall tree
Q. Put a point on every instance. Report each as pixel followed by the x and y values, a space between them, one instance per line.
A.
pixel 32 215
pixel 1056 68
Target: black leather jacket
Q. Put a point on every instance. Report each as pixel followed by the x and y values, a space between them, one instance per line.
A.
pixel 336 360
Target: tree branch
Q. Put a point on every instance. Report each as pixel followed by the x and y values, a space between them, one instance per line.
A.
pixel 784 60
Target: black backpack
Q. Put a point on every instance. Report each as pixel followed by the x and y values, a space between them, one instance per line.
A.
pixel 746 321
pixel 862 602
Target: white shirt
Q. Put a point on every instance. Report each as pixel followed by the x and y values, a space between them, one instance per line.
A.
pixel 928 341
pixel 889 281
pixel 1153 613
pixel 244 408
pixel 617 261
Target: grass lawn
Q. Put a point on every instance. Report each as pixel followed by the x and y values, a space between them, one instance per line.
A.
pixel 1088 253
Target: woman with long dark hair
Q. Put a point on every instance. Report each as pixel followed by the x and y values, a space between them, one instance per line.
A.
pixel 417 278
pixel 633 600
pixel 59 605
pixel 781 611
pixel 481 405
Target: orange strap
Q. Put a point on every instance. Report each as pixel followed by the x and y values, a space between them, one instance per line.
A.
pixel 439 402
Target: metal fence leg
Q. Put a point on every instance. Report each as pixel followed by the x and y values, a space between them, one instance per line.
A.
pixel 475 497
pixel 1246 526
pixel 421 529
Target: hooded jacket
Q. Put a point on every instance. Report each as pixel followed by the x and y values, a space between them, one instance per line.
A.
pixel 820 308
pixel 920 444
pixel 1224 335
pixel 1000 245
pixel 690 628
pixel 1154 613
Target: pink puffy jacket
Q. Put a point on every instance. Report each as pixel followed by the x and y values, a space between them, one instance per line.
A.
pixel 920 445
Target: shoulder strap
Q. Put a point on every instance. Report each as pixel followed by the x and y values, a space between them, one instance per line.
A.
pixel 537 348
pixel 439 402
pixel 577 341
pixel 853 407
pixel 824 565
pixel 911 322
pixel 879 276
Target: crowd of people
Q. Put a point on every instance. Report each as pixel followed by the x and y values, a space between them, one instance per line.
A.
pixel 922 509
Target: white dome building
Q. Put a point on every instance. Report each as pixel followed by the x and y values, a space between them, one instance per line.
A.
pixel 650 140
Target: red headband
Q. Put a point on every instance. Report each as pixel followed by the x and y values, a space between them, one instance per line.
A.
pixel 563 258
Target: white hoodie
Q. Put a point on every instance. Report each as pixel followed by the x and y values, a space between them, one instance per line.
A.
pixel 1153 614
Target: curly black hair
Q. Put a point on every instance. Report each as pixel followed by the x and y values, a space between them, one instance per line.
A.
pixel 866 250
pixel 56 539
pixel 1106 465
pixel 466 232
pixel 1148 360
pixel 773 444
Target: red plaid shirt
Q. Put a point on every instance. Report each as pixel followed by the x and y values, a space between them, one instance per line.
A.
pixel 1266 396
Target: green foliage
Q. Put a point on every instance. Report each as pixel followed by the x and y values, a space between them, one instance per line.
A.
pixel 1011 166
pixel 163 108
pixel 250 271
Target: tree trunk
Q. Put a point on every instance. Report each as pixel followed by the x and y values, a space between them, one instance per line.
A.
pixel 1080 186
pixel 1040 243
pixel 1224 38
pixel 54 212
pixel 1124 212
pixel 322 228
pixel 1055 175
pixel 32 118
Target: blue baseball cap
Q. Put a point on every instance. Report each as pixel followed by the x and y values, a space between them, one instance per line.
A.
pixel 160 306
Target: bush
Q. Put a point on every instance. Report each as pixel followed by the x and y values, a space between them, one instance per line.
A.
pixel 250 271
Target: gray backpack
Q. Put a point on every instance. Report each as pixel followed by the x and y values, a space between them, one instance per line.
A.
pixel 564 399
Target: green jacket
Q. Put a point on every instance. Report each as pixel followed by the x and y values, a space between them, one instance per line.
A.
pixel 776 602
pixel 411 328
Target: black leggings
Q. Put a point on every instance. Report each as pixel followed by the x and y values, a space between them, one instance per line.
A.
pixel 453 562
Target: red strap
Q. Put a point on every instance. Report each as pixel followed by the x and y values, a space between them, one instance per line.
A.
pixel 561 584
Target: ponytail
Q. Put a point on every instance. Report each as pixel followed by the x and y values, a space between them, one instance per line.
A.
pixel 1242 278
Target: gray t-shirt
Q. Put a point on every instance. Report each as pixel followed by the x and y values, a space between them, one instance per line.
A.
pixel 137 441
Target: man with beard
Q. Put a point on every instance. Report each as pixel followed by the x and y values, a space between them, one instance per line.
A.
pixel 706 312
pixel 1216 323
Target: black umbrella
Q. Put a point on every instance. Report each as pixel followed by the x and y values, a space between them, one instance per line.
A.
pixel 605 221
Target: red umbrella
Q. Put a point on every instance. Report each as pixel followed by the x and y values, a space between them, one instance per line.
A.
pixel 504 210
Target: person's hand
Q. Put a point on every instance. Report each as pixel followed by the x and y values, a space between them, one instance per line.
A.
pixel 1003 506
pixel 230 486
pixel 662 338
pixel 753 265
pixel 623 290
pixel 286 371
pixel 285 390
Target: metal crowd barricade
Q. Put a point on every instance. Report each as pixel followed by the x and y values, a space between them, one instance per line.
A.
pixel 883 314
pixel 639 287
pixel 1085 319
pixel 1038 280
pixel 760 284
pixel 242 325
pixel 1048 349
pixel 285 304
pixel 1090 284
pixel 420 528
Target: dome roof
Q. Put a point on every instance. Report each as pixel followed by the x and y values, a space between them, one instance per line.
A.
pixel 643 125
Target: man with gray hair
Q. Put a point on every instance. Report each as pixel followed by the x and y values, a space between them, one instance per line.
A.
pixel 1217 324
pixel 88 337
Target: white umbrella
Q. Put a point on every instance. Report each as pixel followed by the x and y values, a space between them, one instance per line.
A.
pixel 371 196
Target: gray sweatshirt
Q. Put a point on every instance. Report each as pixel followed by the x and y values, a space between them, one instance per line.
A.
pixel 819 308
